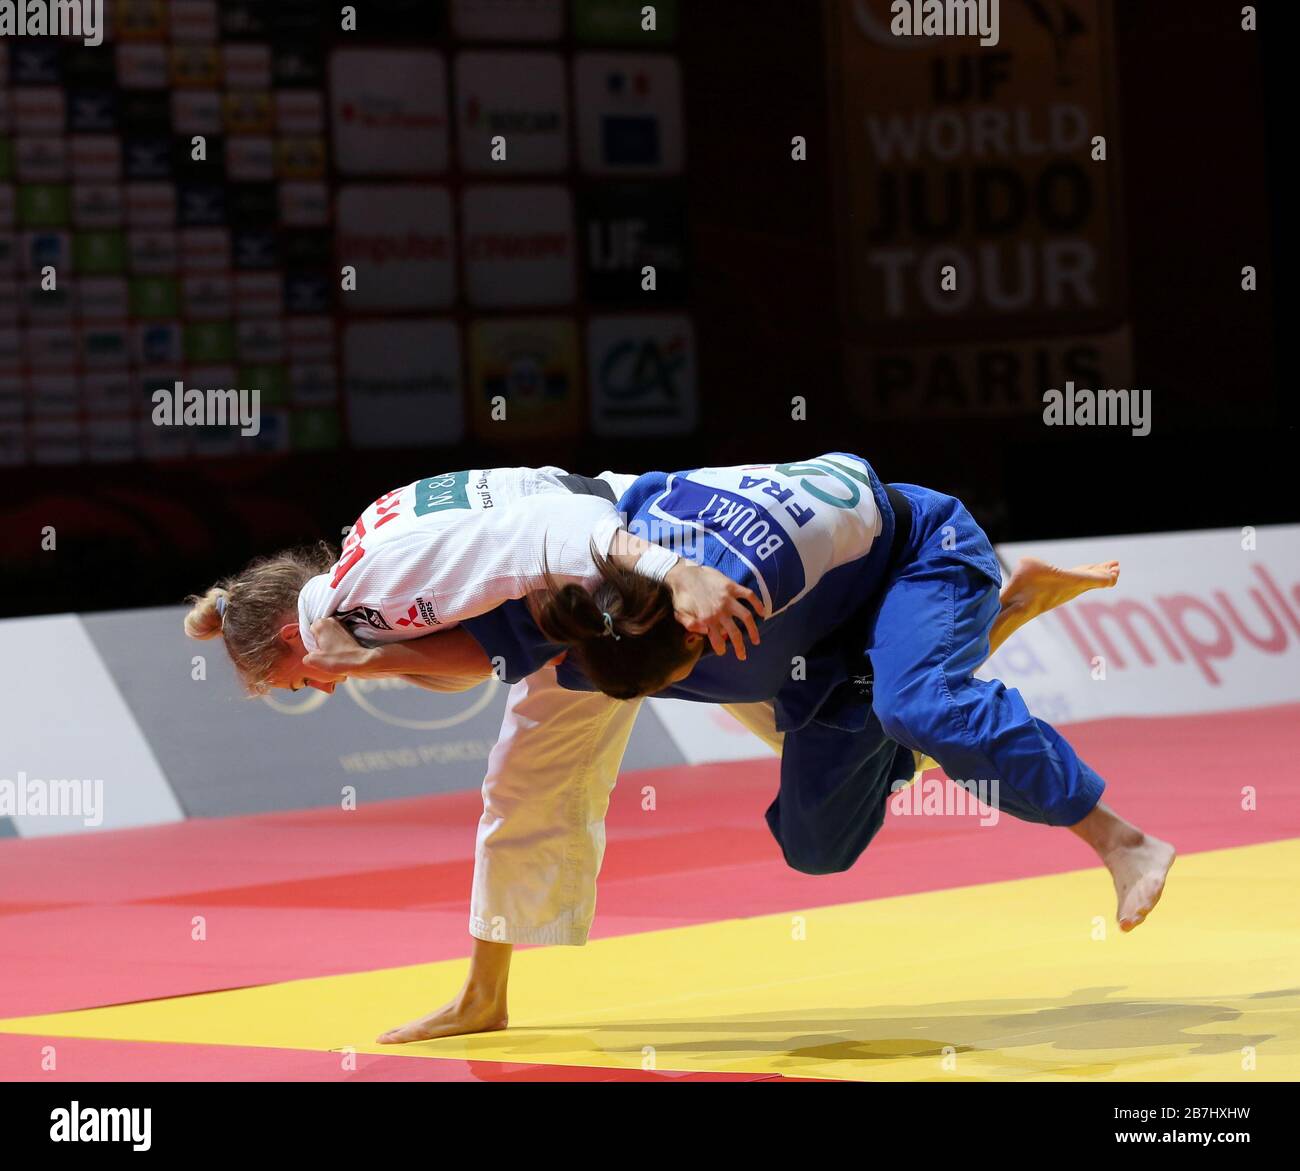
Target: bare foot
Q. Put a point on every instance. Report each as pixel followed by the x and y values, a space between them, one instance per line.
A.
pixel 1138 863
pixel 465 1014
pixel 1139 871
pixel 1038 587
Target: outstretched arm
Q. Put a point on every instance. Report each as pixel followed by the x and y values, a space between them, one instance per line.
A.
pixel 448 661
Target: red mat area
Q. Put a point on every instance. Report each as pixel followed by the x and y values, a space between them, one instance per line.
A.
pixel 105 918
pixel 80 1060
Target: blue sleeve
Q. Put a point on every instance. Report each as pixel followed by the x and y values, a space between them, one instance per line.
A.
pixel 510 638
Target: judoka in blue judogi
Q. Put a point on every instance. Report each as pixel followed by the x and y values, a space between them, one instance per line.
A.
pixel 881 601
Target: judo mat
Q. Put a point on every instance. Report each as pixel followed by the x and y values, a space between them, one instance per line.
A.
pixel 278 946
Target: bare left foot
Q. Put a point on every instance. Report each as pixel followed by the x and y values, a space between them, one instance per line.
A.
pixel 1139 871
pixel 1138 863
pixel 468 1013
pixel 1037 587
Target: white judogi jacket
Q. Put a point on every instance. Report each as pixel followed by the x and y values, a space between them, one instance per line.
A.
pixel 429 555
pixel 424 557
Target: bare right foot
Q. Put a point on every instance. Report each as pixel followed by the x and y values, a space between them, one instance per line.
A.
pixel 1038 587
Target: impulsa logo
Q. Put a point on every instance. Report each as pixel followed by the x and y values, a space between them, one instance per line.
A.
pixel 1206 631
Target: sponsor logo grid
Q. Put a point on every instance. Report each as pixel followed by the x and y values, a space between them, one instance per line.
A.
pixel 388 244
pixel 164 225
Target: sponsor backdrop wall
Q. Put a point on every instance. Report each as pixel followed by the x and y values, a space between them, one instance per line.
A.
pixel 478 275
pixel 1201 622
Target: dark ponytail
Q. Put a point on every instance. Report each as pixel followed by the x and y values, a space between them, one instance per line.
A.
pixel 633 652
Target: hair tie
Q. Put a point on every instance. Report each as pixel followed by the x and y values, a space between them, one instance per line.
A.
pixel 609 626
pixel 221 608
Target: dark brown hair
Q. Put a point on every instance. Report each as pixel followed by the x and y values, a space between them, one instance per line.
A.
pixel 641 645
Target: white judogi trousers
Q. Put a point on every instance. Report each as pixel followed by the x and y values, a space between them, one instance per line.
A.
pixel 541 838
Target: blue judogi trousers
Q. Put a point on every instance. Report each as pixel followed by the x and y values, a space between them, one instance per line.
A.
pixel 928 634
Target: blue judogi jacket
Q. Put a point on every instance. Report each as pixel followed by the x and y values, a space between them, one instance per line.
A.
pixel 812 539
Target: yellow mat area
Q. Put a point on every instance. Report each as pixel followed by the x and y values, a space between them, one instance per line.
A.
pixel 1021 980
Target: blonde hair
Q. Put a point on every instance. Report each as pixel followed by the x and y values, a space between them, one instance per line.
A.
pixel 255 604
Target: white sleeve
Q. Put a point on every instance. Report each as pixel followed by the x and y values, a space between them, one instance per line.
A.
pixel 315 600
pixel 466 568
pixel 501 554
pixel 541 839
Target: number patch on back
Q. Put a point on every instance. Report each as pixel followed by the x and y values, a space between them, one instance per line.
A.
pixel 440 493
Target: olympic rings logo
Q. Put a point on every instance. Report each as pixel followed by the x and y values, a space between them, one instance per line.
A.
pixel 309 700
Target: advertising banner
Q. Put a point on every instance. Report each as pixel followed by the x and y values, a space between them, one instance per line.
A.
pixel 981 251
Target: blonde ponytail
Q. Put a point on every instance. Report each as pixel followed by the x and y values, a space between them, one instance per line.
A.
pixel 204 620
